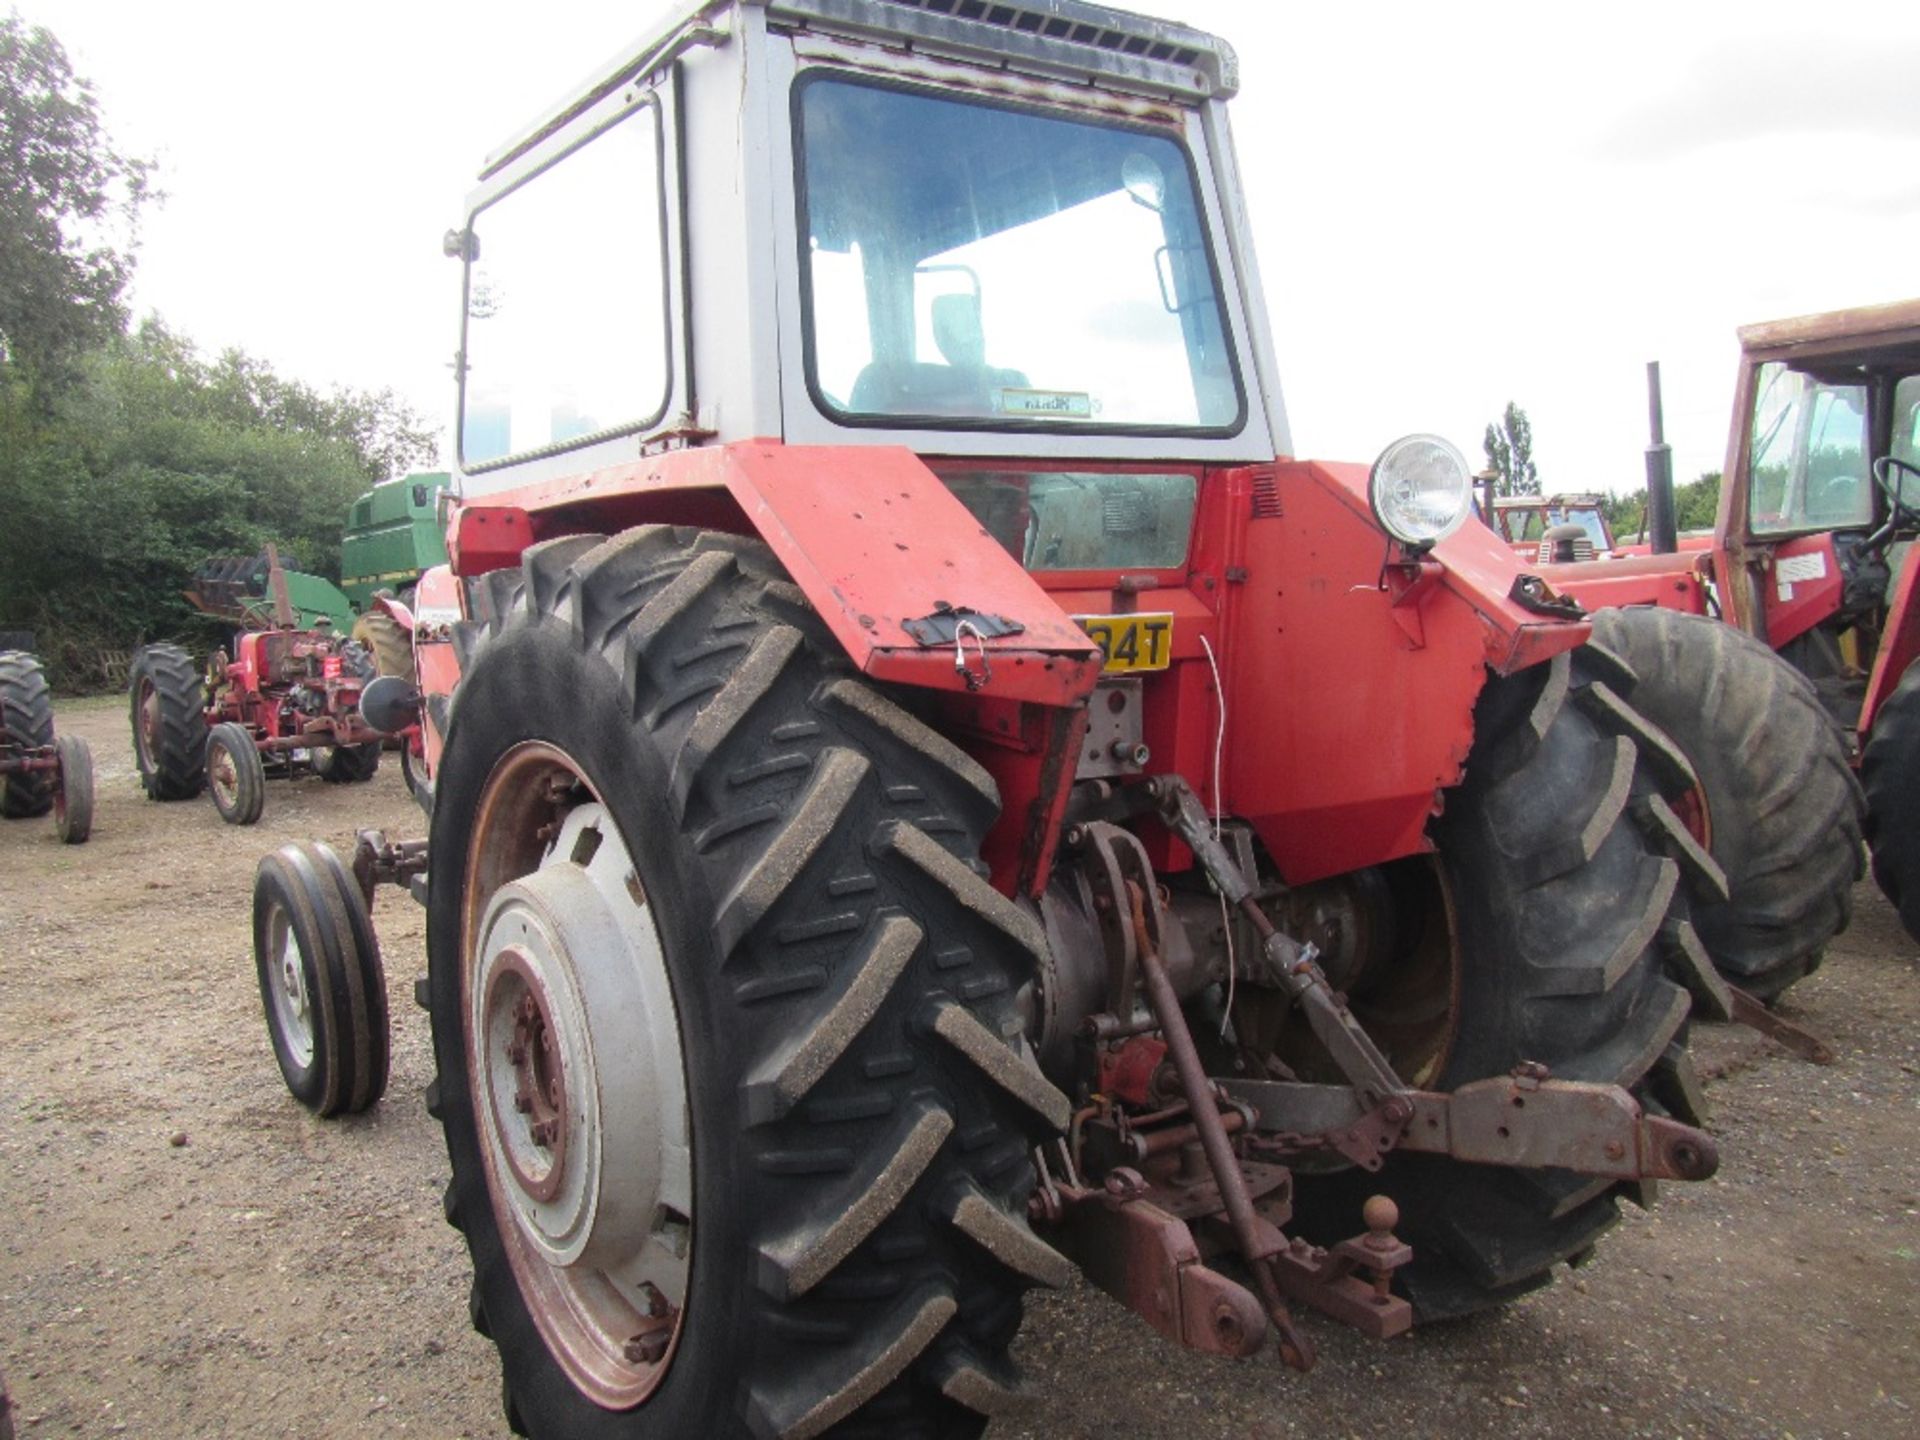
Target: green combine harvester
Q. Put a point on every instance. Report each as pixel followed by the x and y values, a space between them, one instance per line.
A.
pixel 393 534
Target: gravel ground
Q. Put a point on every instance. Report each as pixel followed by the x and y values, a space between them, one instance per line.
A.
pixel 186 1252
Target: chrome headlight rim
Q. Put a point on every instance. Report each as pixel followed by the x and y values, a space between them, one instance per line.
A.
pixel 1388 498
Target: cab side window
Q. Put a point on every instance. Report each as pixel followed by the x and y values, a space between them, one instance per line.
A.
pixel 566 323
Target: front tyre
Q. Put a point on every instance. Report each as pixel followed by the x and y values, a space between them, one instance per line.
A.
pixel 236 775
pixel 794 1197
pixel 1567 918
pixel 1776 799
pixel 1890 771
pixel 73 797
pixel 322 984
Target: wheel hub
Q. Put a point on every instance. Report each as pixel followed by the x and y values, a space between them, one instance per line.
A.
pixel 579 1086
pixel 290 992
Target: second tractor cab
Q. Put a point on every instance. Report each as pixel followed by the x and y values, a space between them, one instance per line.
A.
pixel 1545 529
pixel 928 792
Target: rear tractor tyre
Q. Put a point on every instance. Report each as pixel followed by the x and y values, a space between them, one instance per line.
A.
pixel 1890 771
pixel 1566 920
pixel 26 720
pixel 388 643
pixel 236 775
pixel 73 799
pixel 169 696
pixel 348 764
pixel 1776 802
pixel 322 984
pixel 773 870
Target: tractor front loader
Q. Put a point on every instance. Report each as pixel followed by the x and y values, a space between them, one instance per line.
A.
pixel 924 799
pixel 287 700
pixel 40 771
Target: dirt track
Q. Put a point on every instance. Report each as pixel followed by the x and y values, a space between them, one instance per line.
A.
pixel 277 1276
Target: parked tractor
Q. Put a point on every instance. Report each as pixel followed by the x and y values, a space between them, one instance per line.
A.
pixel 1818 512
pixel 1546 528
pixel 923 799
pixel 285 702
pixel 40 771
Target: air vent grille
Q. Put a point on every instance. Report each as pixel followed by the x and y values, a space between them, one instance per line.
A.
pixel 1266 496
pixel 1058 27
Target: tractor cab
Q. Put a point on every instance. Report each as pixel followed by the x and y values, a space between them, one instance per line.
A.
pixel 1015 235
pixel 1823 499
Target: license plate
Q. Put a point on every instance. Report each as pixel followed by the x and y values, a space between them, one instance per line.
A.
pixel 1130 642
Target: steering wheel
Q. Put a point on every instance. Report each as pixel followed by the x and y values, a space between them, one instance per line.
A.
pixel 1900 511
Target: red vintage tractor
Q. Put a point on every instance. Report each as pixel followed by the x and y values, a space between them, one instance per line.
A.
pixel 286 702
pixel 40 771
pixel 924 799
pixel 1809 559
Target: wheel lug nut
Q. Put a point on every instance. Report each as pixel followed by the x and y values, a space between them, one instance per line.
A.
pixel 648 1348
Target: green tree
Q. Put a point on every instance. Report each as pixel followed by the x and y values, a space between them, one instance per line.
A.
pixel 1509 447
pixel 1696 506
pixel 149 462
pixel 69 206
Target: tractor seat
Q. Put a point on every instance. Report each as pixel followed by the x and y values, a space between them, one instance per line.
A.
pixel 1564 544
pixel 964 385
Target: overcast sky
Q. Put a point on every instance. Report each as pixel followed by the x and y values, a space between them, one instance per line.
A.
pixel 1455 205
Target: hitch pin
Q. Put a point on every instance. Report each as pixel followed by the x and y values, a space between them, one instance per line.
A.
pixel 960 633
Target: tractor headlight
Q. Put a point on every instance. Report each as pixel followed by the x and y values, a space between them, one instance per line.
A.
pixel 1420 489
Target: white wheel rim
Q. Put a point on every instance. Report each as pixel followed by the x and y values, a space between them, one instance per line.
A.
pixel 287 984
pixel 578 1082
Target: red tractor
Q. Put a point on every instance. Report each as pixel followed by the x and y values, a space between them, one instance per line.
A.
pixel 40 771
pixel 927 794
pixel 287 701
pixel 1810 559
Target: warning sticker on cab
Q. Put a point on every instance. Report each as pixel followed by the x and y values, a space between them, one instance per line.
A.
pixel 1130 642
pixel 1790 570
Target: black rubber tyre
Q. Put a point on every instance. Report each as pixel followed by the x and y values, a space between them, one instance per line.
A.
pixel 413 770
pixel 844 980
pixel 1567 922
pixel 169 702
pixel 236 775
pixel 1890 771
pixel 26 720
pixel 348 764
pixel 1784 811
pixel 73 798
pixel 390 645
pixel 322 984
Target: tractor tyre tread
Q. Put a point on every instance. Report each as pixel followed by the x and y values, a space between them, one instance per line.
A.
pixel 387 642
pixel 249 770
pixel 857 984
pixel 1890 772
pixel 176 767
pixel 73 798
pixel 1561 903
pixel 26 719
pixel 1786 811
pixel 349 764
